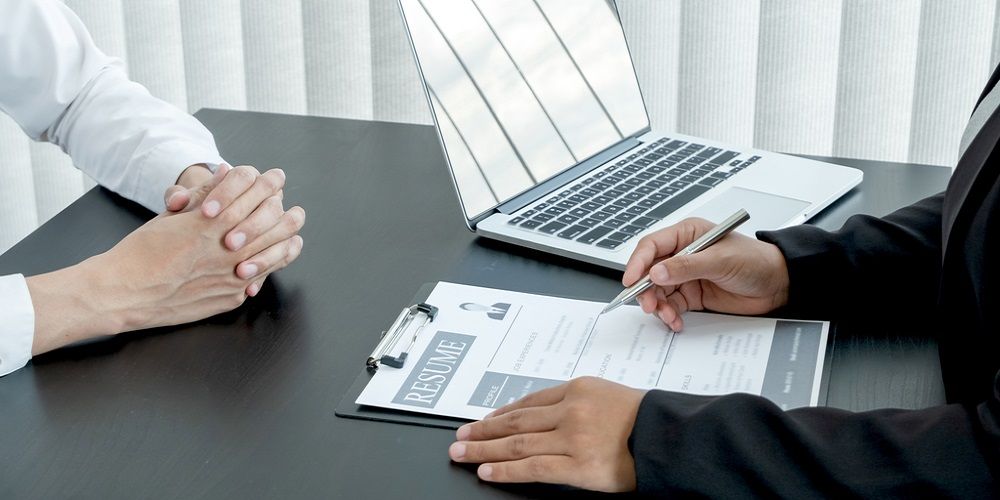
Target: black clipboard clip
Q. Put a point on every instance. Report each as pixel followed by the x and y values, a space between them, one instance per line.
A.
pixel 389 340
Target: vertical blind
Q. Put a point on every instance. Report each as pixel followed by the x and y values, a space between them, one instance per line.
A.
pixel 877 80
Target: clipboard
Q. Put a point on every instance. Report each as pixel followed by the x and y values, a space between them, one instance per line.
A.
pixel 347 408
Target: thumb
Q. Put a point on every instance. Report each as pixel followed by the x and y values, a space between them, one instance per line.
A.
pixel 199 194
pixel 683 268
pixel 176 198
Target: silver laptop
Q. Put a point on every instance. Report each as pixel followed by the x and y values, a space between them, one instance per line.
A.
pixel 546 134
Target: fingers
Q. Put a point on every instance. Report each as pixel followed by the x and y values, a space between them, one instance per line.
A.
pixel 199 194
pixel 263 218
pixel 176 198
pixel 648 300
pixel 558 469
pixel 513 447
pixel 288 225
pixel 241 191
pixel 669 311
pixel 254 288
pixel 643 255
pixel 544 397
pixel 706 265
pixel 660 244
pixel 275 257
pixel 524 420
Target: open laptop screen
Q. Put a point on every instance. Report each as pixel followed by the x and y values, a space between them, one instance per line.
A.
pixel 521 90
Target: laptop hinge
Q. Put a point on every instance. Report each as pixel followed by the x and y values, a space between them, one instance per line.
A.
pixel 529 196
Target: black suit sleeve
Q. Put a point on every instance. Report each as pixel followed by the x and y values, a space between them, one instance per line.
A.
pixel 871 264
pixel 741 445
pixel 744 446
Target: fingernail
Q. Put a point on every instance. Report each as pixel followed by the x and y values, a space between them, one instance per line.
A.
pixel 463 432
pixel 485 471
pixel 659 273
pixel 212 208
pixel 238 240
pixel 281 172
pixel 254 288
pixel 457 450
pixel 638 300
pixel 173 197
pixel 249 271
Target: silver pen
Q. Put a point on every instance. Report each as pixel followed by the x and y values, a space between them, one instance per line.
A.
pixel 706 240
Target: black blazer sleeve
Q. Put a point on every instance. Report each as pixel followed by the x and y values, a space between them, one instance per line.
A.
pixel 740 445
pixel 871 264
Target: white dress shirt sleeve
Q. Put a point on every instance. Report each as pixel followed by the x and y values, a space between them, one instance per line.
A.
pixel 17 323
pixel 59 87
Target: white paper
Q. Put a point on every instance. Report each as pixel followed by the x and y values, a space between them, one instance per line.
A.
pixel 488 347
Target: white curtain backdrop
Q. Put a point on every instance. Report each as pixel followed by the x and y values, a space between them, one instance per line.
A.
pixel 888 80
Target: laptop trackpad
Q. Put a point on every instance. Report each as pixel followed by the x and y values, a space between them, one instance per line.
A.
pixel 767 211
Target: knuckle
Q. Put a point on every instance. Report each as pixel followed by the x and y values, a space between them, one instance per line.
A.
pixel 537 468
pixel 230 218
pixel 270 181
pixel 473 452
pixel 517 446
pixel 273 204
pixel 245 173
pixel 681 263
pixel 513 421
pixel 583 383
pixel 237 299
pixel 482 429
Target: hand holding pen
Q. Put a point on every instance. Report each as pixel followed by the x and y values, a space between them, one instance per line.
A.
pixel 737 274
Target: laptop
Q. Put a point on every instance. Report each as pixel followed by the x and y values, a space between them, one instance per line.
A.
pixel 546 135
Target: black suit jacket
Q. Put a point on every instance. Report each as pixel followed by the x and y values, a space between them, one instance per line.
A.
pixel 937 259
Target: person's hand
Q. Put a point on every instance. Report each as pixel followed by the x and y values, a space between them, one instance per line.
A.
pixel 172 270
pixel 191 187
pixel 198 188
pixel 738 274
pixel 575 433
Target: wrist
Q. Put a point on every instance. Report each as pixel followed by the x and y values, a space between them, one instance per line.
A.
pixel 194 176
pixel 781 279
pixel 70 306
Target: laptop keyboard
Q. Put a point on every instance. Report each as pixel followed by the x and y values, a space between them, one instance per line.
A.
pixel 620 201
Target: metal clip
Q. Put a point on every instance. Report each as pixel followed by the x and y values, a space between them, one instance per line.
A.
pixel 391 338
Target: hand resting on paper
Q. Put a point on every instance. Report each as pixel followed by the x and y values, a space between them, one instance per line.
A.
pixel 575 433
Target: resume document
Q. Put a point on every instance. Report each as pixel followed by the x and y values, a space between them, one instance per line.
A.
pixel 487 348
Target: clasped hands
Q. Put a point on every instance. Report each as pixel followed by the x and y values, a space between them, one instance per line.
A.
pixel 230 194
pixel 220 238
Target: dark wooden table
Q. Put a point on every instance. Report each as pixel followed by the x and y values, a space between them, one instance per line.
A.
pixel 241 405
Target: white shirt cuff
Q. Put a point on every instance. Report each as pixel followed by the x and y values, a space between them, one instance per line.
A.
pixel 17 323
pixel 164 164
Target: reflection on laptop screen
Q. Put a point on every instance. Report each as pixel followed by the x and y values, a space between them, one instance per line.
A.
pixel 523 89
